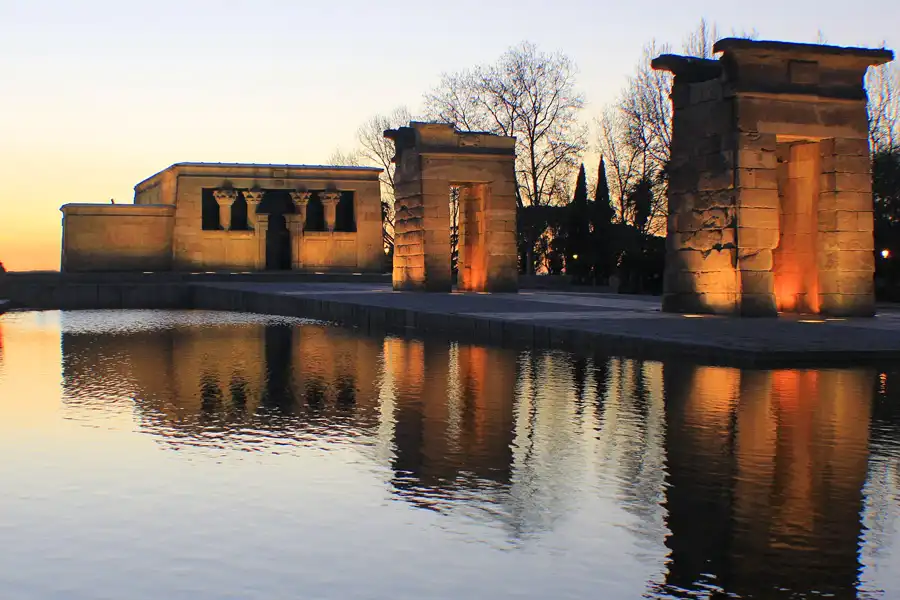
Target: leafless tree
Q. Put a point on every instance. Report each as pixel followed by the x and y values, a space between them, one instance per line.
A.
pixel 636 133
pixel 342 158
pixel 528 94
pixel 883 88
pixel 622 162
pixel 374 150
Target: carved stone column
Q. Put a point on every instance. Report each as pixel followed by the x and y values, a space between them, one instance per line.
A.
pixel 253 197
pixel 261 234
pixel 301 201
pixel 296 223
pixel 329 203
pixel 225 198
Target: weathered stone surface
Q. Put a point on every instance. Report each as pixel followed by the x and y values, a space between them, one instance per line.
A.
pixel 703 240
pixel 757 237
pixel 697 261
pixel 846 240
pixel 756 282
pixel 763 179
pixel 755 259
pixel 764 218
pixel 770 174
pixel 846 200
pixel 755 198
pixel 846 182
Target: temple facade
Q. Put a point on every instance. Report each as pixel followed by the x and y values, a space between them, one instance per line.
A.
pixel 233 217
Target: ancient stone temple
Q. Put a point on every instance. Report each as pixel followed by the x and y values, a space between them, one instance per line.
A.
pixel 430 158
pixel 770 191
pixel 234 217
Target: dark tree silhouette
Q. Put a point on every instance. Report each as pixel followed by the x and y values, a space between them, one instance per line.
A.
pixel 603 243
pixel 886 197
pixel 578 255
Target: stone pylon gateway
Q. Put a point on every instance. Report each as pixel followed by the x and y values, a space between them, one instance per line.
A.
pixel 770 190
pixel 430 158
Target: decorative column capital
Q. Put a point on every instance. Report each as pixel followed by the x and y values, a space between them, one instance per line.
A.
pixel 225 197
pixel 254 197
pixel 330 197
pixel 329 203
pixel 300 199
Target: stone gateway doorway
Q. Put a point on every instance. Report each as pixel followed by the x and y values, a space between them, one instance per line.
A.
pixel 770 184
pixel 431 158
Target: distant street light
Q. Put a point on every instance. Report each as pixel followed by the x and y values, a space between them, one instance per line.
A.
pixel 574 257
pixel 885 253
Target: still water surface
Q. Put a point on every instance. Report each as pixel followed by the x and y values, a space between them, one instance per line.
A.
pixel 194 455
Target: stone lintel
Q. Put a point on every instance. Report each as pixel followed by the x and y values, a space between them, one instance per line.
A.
pixel 734 45
pixel 445 138
pixel 687 69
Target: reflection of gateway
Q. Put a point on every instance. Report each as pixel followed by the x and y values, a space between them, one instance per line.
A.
pixel 765 471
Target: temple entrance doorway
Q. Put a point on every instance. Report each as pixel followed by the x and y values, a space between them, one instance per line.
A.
pixel 795 259
pixel 278 244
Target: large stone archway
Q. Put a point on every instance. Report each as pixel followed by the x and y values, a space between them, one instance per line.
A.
pixel 430 158
pixel 770 186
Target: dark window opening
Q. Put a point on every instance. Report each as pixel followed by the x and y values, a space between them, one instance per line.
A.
pixel 276 202
pixel 345 219
pixel 209 210
pixel 315 214
pixel 239 220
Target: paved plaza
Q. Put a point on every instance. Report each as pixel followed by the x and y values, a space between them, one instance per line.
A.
pixel 633 324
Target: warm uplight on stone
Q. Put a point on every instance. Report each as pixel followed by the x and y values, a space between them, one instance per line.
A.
pixel 770 204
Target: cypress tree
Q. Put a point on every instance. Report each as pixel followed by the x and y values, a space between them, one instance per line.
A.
pixel 603 244
pixel 603 210
pixel 578 261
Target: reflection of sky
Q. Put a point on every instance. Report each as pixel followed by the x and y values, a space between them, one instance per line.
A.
pixel 143 473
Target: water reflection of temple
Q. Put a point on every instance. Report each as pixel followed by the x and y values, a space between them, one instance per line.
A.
pixel 765 472
pixel 453 417
pixel 741 481
pixel 194 384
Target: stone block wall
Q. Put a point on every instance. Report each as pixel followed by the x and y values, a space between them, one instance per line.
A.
pixel 701 259
pixel 117 237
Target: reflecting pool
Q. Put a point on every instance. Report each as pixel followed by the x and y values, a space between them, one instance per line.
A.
pixel 196 455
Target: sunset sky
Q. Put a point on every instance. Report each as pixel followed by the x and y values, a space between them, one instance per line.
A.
pixel 97 95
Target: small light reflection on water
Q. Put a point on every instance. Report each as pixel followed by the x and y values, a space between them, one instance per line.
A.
pixel 210 455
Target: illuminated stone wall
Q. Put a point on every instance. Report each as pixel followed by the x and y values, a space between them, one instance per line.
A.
pixel 770 204
pixel 117 237
pixel 430 158
pixel 228 245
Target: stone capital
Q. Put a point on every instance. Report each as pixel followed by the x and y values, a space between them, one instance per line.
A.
pixel 330 197
pixel 300 199
pixel 254 197
pixel 225 197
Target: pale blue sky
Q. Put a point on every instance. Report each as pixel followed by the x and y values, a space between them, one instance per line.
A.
pixel 97 95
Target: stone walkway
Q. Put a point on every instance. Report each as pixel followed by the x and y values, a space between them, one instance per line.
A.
pixel 628 325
